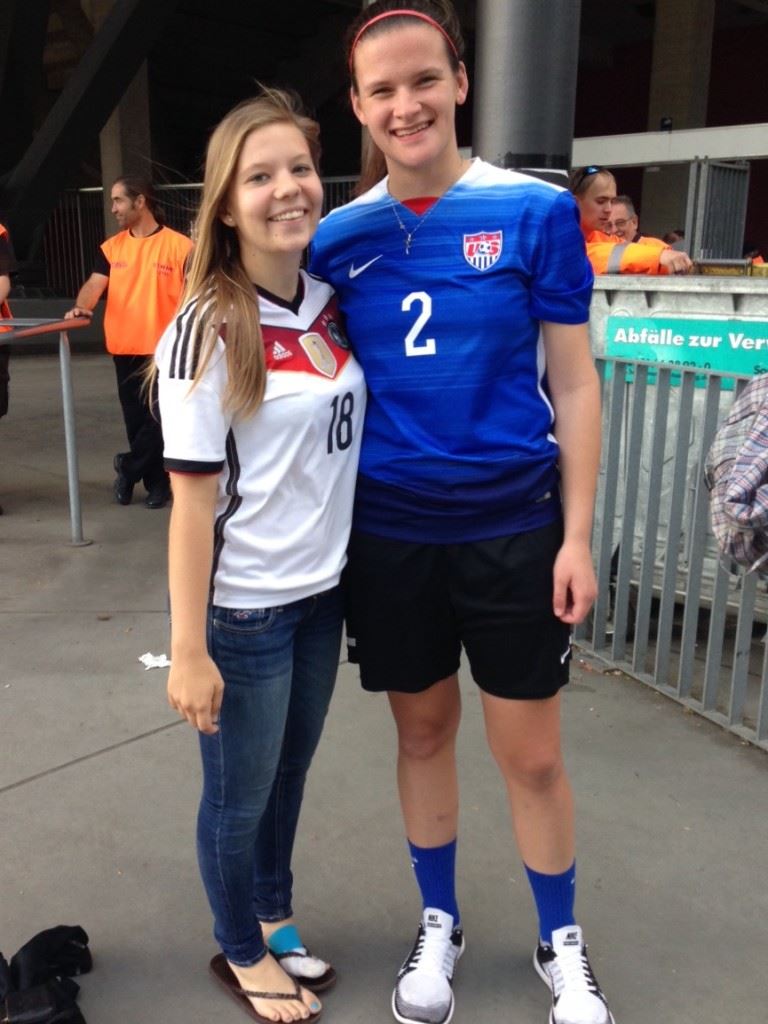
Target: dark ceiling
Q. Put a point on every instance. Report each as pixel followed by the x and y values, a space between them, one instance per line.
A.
pixel 210 56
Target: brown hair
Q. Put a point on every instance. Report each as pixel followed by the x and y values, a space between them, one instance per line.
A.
pixel 216 277
pixel 136 186
pixel 442 12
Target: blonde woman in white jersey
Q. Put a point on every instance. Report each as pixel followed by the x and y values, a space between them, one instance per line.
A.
pixel 262 404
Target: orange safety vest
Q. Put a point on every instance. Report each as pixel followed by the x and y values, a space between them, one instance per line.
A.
pixel 609 255
pixel 146 278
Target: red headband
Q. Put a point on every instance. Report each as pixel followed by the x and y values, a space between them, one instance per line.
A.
pixel 410 14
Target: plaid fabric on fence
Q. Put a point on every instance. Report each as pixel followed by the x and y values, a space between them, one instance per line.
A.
pixel 736 473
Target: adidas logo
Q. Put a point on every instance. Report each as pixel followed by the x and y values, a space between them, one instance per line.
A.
pixel 280 352
pixel 433 921
pixel 571 939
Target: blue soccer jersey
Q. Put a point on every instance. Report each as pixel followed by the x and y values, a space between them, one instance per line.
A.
pixel 458 441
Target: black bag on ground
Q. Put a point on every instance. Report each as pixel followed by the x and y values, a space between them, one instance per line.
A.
pixel 50 1003
pixel 37 986
pixel 60 952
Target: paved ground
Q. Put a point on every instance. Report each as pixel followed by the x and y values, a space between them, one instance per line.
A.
pixel 98 786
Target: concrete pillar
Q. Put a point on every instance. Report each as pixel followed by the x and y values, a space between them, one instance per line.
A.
pixel 525 83
pixel 125 141
pixel 682 52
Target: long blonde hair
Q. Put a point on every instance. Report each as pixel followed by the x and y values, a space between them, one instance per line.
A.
pixel 216 279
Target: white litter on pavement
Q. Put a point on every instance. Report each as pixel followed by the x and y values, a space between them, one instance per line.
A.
pixel 150 660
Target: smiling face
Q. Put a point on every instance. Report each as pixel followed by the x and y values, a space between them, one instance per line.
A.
pixel 275 197
pixel 595 203
pixel 406 95
pixel 623 224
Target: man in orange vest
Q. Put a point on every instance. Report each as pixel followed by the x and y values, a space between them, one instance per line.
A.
pixel 143 268
pixel 594 189
pixel 624 224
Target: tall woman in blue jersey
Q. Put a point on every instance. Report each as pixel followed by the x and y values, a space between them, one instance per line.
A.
pixel 466 291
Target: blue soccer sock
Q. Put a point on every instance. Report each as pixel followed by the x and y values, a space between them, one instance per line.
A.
pixel 554 896
pixel 435 870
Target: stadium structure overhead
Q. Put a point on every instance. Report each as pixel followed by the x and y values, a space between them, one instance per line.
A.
pixel 195 59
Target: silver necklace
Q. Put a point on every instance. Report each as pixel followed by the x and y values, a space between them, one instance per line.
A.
pixel 409 234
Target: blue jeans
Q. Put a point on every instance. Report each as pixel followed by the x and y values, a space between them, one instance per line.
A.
pixel 279 669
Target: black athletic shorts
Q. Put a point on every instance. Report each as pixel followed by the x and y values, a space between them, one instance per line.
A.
pixel 411 607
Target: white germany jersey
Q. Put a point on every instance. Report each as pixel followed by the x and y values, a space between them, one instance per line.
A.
pixel 287 473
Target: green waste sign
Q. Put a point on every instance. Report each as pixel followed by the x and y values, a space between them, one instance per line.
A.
pixel 729 346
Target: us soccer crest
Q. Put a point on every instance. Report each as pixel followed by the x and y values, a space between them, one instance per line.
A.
pixel 482 250
pixel 319 353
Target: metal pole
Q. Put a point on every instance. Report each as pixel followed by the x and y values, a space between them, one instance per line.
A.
pixel 525 84
pixel 70 441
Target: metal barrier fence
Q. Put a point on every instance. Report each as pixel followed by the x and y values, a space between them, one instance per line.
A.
pixel 717 208
pixel 668 613
pixel 75 229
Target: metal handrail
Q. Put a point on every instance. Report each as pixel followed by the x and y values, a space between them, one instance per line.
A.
pixel 24 329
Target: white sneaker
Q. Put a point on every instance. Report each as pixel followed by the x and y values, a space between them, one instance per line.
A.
pixel 576 995
pixel 423 993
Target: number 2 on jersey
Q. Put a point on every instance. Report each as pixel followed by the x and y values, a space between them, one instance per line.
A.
pixel 414 346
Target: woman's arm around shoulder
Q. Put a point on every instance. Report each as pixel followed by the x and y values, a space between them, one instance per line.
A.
pixel 575 392
pixel 195 686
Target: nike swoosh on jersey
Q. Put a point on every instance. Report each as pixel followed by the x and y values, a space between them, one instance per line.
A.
pixel 354 271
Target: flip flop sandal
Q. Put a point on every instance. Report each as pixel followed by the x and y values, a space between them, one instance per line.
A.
pixel 225 976
pixel 319 984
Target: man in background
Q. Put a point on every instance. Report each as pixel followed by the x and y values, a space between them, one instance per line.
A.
pixel 143 268
pixel 624 223
pixel 594 189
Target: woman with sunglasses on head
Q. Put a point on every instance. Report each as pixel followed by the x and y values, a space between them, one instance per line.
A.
pixel 262 406
pixel 594 189
pixel 466 291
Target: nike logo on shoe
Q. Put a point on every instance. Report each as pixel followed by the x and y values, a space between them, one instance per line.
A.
pixel 354 271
